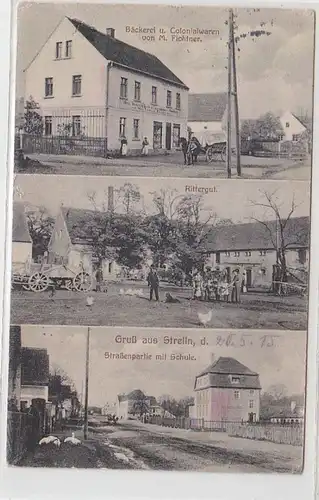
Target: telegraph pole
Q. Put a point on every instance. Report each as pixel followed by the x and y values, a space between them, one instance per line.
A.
pixel 86 400
pixel 229 94
pixel 235 94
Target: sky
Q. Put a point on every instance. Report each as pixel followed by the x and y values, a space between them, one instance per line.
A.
pixel 232 200
pixel 275 72
pixel 284 363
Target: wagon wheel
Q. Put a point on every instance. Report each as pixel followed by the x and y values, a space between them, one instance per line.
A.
pixel 209 154
pixel 223 154
pixel 69 285
pixel 38 282
pixel 82 282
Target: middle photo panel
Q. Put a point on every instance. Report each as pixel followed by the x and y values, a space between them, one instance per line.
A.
pixel 174 253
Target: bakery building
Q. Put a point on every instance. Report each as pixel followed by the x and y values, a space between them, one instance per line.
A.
pixel 91 85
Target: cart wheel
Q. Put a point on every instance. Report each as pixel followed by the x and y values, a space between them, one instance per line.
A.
pixel 82 282
pixel 209 155
pixel 223 154
pixel 38 282
pixel 69 285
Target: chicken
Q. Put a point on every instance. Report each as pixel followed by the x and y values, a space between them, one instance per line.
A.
pixel 72 440
pixel 205 318
pixel 122 291
pixel 50 439
pixel 129 292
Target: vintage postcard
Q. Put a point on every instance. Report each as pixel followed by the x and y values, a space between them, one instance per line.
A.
pixel 153 400
pixel 145 90
pixel 212 254
pixel 161 230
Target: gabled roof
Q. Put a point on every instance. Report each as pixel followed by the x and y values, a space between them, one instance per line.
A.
pixel 220 375
pixel 227 366
pixel 74 219
pixel 305 121
pixel 34 366
pixel 20 230
pixel 207 107
pixel 255 236
pixel 126 55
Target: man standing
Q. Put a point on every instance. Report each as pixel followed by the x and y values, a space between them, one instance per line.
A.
pixel 236 287
pixel 153 283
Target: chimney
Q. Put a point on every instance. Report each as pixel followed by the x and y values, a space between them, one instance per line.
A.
pixel 212 358
pixel 110 198
pixel 110 32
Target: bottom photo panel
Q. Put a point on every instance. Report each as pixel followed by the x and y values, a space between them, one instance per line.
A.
pixel 132 398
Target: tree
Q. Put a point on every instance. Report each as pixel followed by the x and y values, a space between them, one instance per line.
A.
pixel 114 237
pixel 278 391
pixel 129 196
pixel 193 228
pixel 141 405
pixel 266 127
pixel 40 225
pixel 283 232
pixel 33 121
pixel 177 407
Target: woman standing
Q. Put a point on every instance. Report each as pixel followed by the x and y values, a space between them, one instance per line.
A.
pixel 145 146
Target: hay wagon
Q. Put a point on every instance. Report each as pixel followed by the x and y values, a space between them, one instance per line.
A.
pixel 41 277
pixel 216 152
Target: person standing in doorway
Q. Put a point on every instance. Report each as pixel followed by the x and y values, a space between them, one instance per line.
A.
pixel 153 283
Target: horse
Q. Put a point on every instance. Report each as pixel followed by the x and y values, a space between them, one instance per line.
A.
pixel 191 150
pixel 194 149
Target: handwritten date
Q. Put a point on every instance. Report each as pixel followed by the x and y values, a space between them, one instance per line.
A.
pixel 246 340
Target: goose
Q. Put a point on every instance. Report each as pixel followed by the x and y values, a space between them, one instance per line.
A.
pixel 50 439
pixel 72 439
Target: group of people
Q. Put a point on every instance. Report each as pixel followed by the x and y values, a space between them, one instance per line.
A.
pixel 210 287
pixel 124 147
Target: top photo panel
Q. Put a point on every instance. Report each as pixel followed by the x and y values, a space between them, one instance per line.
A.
pixel 164 91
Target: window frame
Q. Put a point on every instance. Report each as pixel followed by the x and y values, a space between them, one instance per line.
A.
pixel 76 82
pixel 136 128
pixel 154 94
pixel 168 98
pixel 178 101
pixel 47 121
pixel 48 86
pixel 137 91
pixel 76 123
pixel 58 50
pixel 123 87
pixel 68 49
pixel 122 126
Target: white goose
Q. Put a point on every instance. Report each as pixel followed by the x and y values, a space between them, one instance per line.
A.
pixel 72 440
pixel 50 439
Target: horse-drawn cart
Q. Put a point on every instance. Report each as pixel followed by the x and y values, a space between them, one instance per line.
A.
pixel 41 277
pixel 216 152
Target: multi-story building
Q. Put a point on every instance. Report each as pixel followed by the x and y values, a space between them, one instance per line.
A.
pixel 227 391
pixel 251 247
pixel 90 84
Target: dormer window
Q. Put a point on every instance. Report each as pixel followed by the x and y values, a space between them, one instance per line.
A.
pixel 235 380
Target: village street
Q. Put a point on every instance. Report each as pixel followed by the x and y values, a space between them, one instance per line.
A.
pixel 133 445
pixel 167 166
pixel 256 310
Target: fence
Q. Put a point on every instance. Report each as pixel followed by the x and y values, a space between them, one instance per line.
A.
pixel 58 145
pixel 22 433
pixel 282 434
